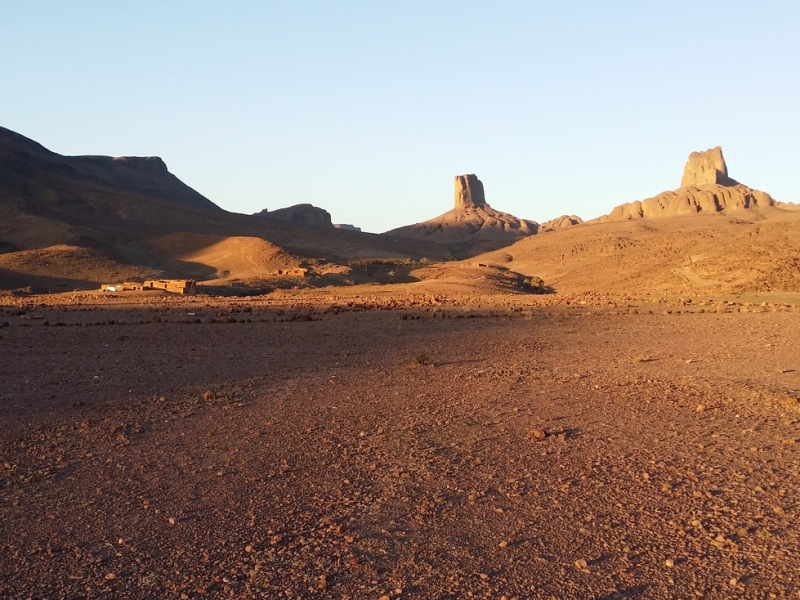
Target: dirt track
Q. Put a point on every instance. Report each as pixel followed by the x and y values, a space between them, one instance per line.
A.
pixel 553 452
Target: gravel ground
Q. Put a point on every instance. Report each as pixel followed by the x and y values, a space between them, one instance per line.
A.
pixel 243 451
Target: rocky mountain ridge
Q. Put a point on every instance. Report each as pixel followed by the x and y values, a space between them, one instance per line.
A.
pixel 705 188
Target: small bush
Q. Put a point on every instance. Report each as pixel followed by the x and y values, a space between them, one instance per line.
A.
pixel 421 359
pixel 535 285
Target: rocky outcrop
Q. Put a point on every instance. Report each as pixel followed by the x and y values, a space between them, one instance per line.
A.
pixel 346 226
pixel 300 214
pixel 705 188
pixel 469 192
pixel 693 200
pixel 561 222
pixel 705 168
pixel 471 226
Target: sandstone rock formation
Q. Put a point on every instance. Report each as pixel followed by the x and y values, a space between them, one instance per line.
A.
pixel 469 192
pixel 472 225
pixel 705 188
pixel 561 222
pixel 711 198
pixel 704 168
pixel 300 214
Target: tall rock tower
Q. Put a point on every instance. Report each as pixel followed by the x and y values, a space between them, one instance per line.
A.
pixel 469 192
pixel 707 167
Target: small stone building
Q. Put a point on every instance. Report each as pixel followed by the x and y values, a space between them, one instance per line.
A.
pixel 128 286
pixel 175 286
pixel 292 272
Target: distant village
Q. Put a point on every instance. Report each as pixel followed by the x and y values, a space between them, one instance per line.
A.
pixel 183 286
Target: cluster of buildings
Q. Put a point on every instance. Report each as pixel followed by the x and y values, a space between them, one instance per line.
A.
pixel 183 286
pixel 176 286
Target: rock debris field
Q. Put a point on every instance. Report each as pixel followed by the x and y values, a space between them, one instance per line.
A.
pixel 416 449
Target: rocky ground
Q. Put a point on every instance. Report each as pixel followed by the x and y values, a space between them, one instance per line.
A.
pixel 412 448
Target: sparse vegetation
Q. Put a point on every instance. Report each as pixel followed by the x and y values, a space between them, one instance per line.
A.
pixel 643 359
pixel 421 359
pixel 535 285
pixel 395 262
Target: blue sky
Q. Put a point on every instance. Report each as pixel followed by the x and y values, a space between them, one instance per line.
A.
pixel 369 109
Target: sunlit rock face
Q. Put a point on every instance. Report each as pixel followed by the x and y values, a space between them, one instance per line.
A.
pixel 705 188
pixel 469 192
pixel 705 168
pixel 471 226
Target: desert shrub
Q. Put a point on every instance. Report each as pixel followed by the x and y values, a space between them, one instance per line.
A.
pixel 421 359
pixel 534 284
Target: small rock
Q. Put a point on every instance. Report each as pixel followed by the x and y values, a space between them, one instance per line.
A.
pixel 787 400
pixel 171 521
pixel 669 563
pixel 581 564
pixel 208 396
pixel 538 434
pixel 110 576
pixel 700 408
pixel 504 544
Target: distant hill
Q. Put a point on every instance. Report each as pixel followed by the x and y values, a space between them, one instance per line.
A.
pixel 75 221
pixel 472 225
pixel 713 234
pixel 756 250
pixel 300 214
pixel 705 188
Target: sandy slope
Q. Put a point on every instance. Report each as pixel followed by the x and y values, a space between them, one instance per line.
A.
pixel 745 250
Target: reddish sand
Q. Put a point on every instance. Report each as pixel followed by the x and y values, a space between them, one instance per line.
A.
pixel 613 449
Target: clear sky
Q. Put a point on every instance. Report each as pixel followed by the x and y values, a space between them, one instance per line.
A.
pixel 368 109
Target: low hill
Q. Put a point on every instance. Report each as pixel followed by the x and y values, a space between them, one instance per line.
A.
pixel 472 225
pixel 706 187
pixel 728 252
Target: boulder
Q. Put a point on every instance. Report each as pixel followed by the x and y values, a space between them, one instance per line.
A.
pixel 561 222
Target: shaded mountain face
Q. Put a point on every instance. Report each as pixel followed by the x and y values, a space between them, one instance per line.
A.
pixel 49 199
pixel 38 174
pixel 705 188
pixel 300 214
pixel 68 222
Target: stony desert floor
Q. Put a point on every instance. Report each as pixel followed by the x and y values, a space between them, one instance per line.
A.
pixel 413 448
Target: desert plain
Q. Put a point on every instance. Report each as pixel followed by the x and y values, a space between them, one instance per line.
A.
pixel 475 406
pixel 365 444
